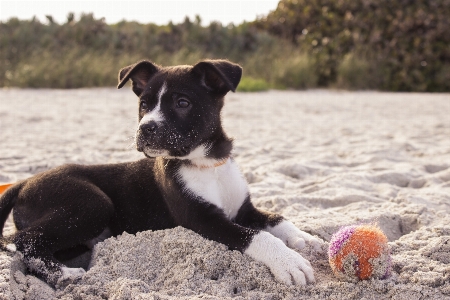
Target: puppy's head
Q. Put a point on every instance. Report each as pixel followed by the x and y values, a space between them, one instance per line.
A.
pixel 179 107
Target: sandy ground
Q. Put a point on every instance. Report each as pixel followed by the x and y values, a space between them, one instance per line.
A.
pixel 323 159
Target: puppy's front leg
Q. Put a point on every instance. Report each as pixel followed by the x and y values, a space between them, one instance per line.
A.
pixel 293 237
pixel 210 222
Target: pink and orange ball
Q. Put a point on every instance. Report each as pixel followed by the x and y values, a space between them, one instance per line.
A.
pixel 360 252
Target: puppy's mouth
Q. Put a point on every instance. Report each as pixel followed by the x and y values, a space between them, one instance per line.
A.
pixel 149 151
pixel 154 152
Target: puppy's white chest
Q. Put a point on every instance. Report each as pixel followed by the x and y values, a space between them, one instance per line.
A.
pixel 223 186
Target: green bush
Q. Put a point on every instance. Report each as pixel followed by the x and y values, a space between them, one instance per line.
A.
pixel 356 74
pixel 298 72
pixel 408 40
pixel 249 84
pixel 443 79
pixel 71 69
pixel 88 52
pixel 358 44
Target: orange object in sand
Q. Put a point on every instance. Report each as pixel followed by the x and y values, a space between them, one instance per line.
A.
pixel 359 252
pixel 3 187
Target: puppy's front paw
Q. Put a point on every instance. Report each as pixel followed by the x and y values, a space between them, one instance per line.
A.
pixel 294 237
pixel 285 264
pixel 70 275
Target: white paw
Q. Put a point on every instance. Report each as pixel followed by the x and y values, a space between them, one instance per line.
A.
pixel 11 248
pixel 285 264
pixel 294 237
pixel 70 275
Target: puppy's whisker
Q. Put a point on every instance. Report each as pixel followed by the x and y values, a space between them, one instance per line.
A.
pixel 131 145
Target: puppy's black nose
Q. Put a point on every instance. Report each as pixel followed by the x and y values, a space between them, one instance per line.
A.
pixel 149 128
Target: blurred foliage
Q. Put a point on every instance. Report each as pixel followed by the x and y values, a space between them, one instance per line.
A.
pixel 249 84
pixel 403 44
pixel 88 52
pixel 356 44
pixel 357 73
pixel 298 72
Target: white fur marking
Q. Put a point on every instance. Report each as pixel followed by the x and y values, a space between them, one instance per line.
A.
pixel 71 274
pixel 223 186
pixel 155 114
pixel 198 153
pixel 11 248
pixel 294 237
pixel 284 263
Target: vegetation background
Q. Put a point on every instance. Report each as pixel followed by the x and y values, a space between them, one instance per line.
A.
pixel 401 45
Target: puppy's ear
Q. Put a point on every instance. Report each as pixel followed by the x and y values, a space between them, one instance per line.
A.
pixel 139 73
pixel 220 76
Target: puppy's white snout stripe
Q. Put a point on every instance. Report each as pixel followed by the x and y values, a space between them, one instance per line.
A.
pixel 155 114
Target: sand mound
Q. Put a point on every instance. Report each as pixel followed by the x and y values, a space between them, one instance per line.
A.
pixel 180 264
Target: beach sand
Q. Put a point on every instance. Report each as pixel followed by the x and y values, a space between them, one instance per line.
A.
pixel 322 159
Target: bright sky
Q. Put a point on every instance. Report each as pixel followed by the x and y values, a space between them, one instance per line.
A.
pixel 144 11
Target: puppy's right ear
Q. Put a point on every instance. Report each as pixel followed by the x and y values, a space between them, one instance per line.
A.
pixel 139 73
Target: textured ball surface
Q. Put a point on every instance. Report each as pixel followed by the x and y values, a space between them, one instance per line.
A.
pixel 359 252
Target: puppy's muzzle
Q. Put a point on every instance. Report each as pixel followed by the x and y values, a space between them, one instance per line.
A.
pixel 148 129
pixel 146 135
pixel 153 137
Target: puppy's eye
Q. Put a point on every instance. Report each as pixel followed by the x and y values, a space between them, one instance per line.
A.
pixel 143 105
pixel 183 103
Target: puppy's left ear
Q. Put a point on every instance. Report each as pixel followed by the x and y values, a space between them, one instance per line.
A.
pixel 220 76
pixel 139 73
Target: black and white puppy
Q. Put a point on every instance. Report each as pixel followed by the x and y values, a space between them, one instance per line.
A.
pixel 188 179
